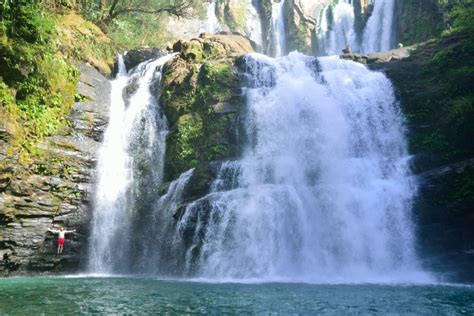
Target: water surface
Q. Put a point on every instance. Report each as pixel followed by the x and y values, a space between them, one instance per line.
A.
pixel 148 295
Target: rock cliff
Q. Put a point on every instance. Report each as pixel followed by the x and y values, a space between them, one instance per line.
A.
pixel 54 187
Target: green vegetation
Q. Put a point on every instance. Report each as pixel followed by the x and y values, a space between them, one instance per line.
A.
pixel 445 100
pixel 136 23
pixel 39 46
pixel 457 15
pixel 37 83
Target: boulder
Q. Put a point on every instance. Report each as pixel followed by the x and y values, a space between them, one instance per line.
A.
pixel 136 56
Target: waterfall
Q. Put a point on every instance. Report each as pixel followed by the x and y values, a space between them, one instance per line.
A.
pixel 253 24
pixel 378 34
pixel 278 28
pixel 165 252
pixel 212 23
pixel 132 153
pixel 337 29
pixel 323 192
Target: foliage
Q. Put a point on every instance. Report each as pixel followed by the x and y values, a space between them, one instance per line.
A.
pixel 455 69
pixel 83 40
pixel 135 23
pixel 189 130
pixel 439 100
pixel 130 32
pixel 38 83
pixel 457 15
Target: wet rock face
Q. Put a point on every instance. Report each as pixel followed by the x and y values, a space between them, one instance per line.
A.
pixel 52 188
pixel 417 21
pixel 302 19
pixel 134 57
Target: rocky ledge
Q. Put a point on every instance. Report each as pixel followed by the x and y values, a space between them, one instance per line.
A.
pixel 52 188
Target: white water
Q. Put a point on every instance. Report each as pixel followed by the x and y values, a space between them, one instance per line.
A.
pixel 165 251
pixel 212 24
pixel 134 137
pixel 253 25
pixel 340 33
pixel 337 31
pixel 278 28
pixel 323 192
pixel 378 34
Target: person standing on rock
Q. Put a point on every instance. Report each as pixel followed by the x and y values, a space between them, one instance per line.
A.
pixel 61 236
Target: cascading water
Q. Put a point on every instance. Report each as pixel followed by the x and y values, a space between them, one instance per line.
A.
pixel 132 152
pixel 212 24
pixel 323 191
pixel 278 28
pixel 253 25
pixel 337 29
pixel 378 34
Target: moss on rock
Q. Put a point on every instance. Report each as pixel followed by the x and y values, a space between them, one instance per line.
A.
pixel 202 102
pixel 417 21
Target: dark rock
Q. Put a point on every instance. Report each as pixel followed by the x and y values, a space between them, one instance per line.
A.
pixel 135 57
pixel 178 46
pixel 445 218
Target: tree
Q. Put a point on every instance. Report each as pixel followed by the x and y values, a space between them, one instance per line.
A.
pixel 116 8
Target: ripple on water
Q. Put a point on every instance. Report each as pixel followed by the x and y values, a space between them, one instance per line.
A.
pixel 148 295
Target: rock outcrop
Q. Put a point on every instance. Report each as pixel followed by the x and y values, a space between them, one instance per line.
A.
pixel 201 96
pixel 302 17
pixel 134 57
pixel 53 187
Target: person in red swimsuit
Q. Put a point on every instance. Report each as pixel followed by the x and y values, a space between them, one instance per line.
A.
pixel 61 236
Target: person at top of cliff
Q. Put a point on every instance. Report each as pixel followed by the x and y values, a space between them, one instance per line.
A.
pixel 61 236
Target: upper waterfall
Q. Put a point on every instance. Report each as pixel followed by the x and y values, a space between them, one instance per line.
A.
pixel 278 29
pixel 378 34
pixel 337 28
pixel 253 24
pixel 211 25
